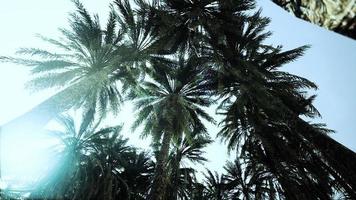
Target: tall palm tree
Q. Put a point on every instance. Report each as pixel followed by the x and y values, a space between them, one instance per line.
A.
pixel 90 66
pixel 169 105
pixel 262 106
pixel 234 41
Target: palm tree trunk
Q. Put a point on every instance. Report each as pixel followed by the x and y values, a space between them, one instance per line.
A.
pixel 159 181
pixel 108 184
pixel 175 177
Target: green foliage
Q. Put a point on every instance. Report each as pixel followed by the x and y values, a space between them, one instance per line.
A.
pixel 170 104
pixel 94 164
pixel 88 63
pixel 173 59
pixel 181 178
pixel 173 98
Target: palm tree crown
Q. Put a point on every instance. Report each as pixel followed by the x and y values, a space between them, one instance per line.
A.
pixel 170 105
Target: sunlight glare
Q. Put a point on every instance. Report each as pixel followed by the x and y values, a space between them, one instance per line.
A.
pixel 26 158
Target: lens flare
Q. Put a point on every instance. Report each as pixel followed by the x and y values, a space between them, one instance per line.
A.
pixel 25 158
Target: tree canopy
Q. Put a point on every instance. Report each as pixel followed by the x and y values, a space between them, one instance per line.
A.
pixel 174 59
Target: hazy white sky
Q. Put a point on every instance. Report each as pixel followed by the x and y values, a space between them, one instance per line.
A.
pixel 331 63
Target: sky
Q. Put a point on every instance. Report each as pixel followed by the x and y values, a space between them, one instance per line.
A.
pixel 330 63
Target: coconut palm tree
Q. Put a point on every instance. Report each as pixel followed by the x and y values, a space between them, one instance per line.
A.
pixel 169 105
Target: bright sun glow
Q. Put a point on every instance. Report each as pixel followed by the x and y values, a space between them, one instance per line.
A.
pixel 25 159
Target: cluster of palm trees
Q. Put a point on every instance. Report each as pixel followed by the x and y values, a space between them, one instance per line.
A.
pixel 173 59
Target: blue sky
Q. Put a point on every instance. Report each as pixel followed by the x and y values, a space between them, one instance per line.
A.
pixel 331 63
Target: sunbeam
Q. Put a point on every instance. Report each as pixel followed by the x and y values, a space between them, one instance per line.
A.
pixel 25 159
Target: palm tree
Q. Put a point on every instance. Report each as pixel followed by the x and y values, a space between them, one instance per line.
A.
pixel 93 164
pixel 139 37
pixel 262 107
pixel 170 105
pixel 233 38
pixel 215 186
pixel 88 66
pixel 185 32
pixel 178 24
pixel 137 170
pixel 112 154
pixel 180 177
pixel 248 180
pixel 77 155
pixel 198 191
